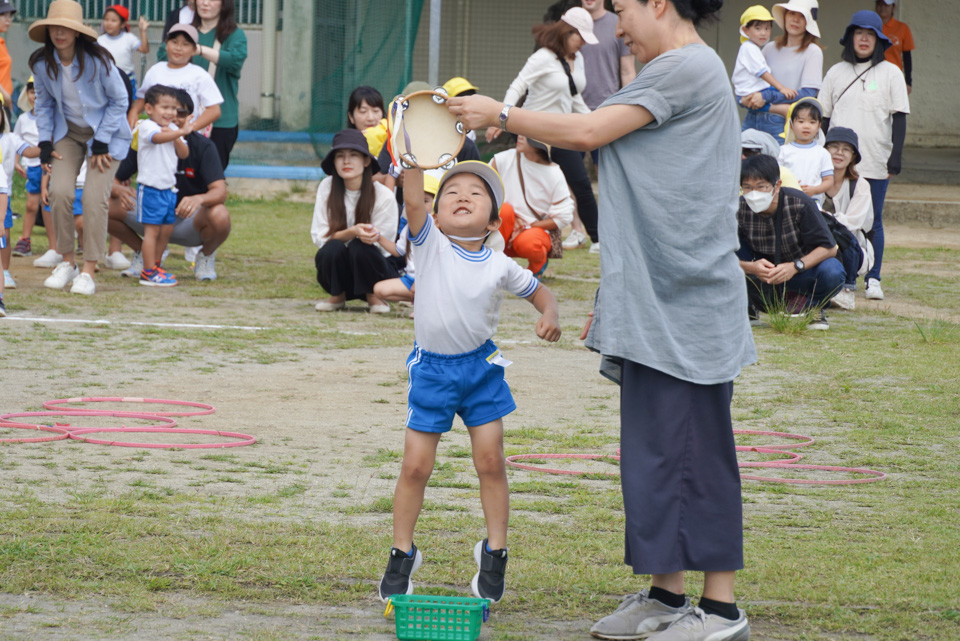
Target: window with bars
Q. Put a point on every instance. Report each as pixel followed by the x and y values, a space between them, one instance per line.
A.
pixel 247 12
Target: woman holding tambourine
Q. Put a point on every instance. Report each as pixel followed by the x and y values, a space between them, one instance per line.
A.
pixel 670 316
pixel 552 80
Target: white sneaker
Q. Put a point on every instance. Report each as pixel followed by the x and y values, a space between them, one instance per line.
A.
pixel 575 240
pixel 846 299
pixel 136 266
pixel 873 289
pixel 205 268
pixel 379 309
pixel 8 282
pixel 116 260
pixel 50 259
pixel 63 273
pixel 595 248
pixel 327 306
pixel 83 284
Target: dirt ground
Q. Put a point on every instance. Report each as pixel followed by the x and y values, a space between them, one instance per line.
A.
pixel 297 417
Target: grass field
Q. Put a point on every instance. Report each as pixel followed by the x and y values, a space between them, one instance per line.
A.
pixel 286 539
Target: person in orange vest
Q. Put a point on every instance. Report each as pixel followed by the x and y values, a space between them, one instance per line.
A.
pixel 899 53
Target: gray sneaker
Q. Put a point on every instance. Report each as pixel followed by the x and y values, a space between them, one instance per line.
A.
pixel 136 266
pixel 205 269
pixel 697 625
pixel 637 617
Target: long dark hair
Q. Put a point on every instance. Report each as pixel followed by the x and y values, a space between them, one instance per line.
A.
pixel 808 39
pixel 337 209
pixel 850 55
pixel 226 23
pixel 84 48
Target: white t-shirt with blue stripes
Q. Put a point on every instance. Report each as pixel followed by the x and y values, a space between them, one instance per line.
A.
pixel 459 292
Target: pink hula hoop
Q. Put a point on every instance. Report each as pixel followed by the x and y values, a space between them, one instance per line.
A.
pixel 790 463
pixel 78 435
pixel 203 407
pixel 165 422
pixel 59 433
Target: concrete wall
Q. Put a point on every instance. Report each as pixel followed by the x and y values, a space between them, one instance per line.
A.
pixel 488 41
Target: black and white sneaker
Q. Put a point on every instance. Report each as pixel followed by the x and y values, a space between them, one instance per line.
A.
pixel 3 308
pixel 400 567
pixel 488 582
pixel 819 320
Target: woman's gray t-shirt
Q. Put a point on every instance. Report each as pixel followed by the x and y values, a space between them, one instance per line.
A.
pixel 672 294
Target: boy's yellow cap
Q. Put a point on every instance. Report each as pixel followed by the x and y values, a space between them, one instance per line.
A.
pixel 456 86
pixel 23 103
pixel 430 184
pixel 756 12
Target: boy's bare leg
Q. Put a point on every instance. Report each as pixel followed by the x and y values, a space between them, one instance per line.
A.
pixel 393 289
pixel 30 214
pixel 149 247
pixel 7 252
pixel 487 441
pixel 162 240
pixel 419 454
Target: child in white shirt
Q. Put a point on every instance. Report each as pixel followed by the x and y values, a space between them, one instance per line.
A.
pixel 802 152
pixel 121 44
pixel 751 72
pixel 178 72
pixel 11 146
pixel 30 170
pixel 455 367
pixel 159 144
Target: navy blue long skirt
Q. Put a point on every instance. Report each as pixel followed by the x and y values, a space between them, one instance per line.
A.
pixel 678 466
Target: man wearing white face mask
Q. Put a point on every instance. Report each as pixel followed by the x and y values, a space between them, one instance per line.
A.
pixel 786 249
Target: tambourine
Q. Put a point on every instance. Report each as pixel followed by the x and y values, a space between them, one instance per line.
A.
pixel 422 132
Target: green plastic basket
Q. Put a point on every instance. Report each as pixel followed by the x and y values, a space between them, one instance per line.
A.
pixel 421 617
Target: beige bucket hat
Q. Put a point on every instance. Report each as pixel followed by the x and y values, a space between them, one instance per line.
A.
pixel 62 13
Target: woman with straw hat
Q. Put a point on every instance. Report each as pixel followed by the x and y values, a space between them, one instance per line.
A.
pixel 81 109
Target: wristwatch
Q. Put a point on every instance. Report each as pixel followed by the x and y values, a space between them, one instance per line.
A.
pixel 798 264
pixel 504 114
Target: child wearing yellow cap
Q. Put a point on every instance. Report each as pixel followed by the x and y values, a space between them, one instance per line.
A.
pixel 751 72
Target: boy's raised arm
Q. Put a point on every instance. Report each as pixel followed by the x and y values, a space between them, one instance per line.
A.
pixel 413 199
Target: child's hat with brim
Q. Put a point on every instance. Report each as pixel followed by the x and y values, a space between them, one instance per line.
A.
pixel 23 103
pixel 756 12
pixel 808 8
pixel 788 135
pixel 186 29
pixel 62 13
pixel 348 139
pixel 485 172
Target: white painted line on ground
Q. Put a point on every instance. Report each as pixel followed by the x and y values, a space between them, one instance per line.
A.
pixel 81 321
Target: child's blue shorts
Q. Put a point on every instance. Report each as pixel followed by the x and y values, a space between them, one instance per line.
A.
pixel 8 217
pixel 156 206
pixel 441 385
pixel 407 281
pixel 33 179
pixel 77 205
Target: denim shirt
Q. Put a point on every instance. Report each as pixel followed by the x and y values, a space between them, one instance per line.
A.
pixel 103 95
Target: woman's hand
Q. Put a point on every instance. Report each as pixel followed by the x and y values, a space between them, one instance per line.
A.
pixel 492 133
pixel 586 327
pixel 367 233
pixel 101 162
pixel 476 112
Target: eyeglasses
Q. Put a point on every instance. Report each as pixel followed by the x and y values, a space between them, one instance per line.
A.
pixel 766 187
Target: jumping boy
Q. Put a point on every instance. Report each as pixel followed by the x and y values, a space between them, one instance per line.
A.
pixel 802 152
pixel 454 366
pixel 159 146
pixel 751 72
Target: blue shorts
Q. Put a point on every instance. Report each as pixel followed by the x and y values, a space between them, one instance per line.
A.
pixel 132 79
pixel 156 206
pixel 407 281
pixel 77 203
pixel 33 179
pixel 8 218
pixel 441 385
